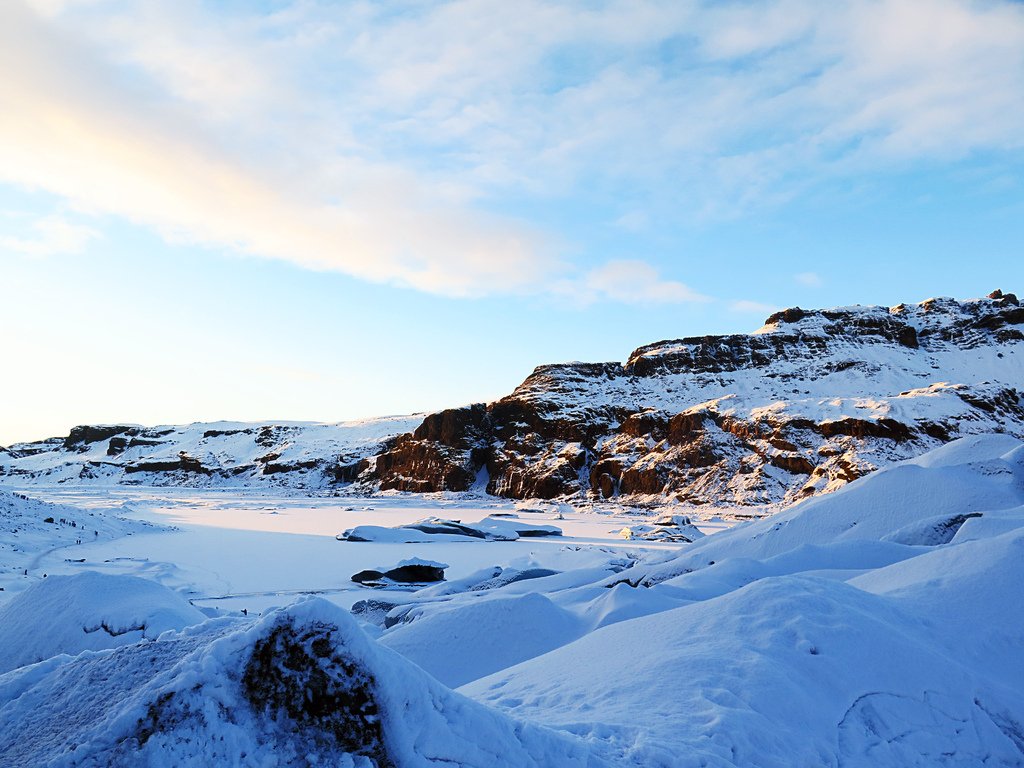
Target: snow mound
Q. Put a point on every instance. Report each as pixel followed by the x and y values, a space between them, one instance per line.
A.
pixel 923 501
pixel 475 639
pixel 87 612
pixel 300 687
pixel 791 670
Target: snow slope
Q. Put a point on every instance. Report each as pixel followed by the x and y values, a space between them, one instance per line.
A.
pixel 30 528
pixel 809 639
pixel 876 626
pixel 222 453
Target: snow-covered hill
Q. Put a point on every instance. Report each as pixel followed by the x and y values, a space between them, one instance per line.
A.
pixel 805 404
pixel 300 687
pixel 237 454
pixel 30 528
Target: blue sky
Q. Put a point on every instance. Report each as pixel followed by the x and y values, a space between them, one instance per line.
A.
pixel 332 210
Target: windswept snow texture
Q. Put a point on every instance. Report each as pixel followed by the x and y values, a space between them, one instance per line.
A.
pixel 87 612
pixel 299 687
pixel 807 639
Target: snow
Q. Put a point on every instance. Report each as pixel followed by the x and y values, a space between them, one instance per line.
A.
pixel 805 639
pixel 240 454
pixel 457 646
pixel 439 529
pixel 87 612
pixel 880 625
pixel 301 686
pixel 786 671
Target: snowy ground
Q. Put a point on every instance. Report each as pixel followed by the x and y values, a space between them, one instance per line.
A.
pixel 245 549
pixel 877 626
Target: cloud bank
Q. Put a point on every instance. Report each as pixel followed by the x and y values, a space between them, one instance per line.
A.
pixel 394 146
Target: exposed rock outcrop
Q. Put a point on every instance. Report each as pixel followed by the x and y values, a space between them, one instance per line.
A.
pixel 811 401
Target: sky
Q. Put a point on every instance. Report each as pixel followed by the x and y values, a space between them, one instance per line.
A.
pixel 325 211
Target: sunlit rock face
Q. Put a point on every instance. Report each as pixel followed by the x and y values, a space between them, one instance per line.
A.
pixel 807 403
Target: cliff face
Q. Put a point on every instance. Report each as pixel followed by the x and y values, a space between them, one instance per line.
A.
pixel 812 400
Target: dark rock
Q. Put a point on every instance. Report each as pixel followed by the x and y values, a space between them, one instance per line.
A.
pixel 644 423
pixel 349 473
pixel 273 468
pixel 453 527
pixel 184 463
pixel 416 574
pixel 407 572
pixel 795 463
pixel 85 434
pixel 792 315
pixel 889 429
pixel 138 442
pixel 117 445
pixel 300 674
pixel 368 576
pixel 225 432
pixel 908 337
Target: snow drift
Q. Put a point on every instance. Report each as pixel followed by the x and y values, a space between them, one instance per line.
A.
pixel 87 612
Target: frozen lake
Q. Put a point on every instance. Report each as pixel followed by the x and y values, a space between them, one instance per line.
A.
pixel 245 549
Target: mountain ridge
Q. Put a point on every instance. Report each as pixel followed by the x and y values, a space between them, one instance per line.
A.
pixel 806 403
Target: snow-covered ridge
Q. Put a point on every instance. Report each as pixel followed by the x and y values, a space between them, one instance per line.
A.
pixel 302 686
pixel 809 402
pixel 303 455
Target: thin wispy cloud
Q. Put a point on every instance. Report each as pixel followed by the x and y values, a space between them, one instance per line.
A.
pixel 752 307
pixel 636 282
pixel 49 236
pixel 394 145
pixel 809 279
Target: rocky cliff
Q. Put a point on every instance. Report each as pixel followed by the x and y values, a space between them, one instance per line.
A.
pixel 805 404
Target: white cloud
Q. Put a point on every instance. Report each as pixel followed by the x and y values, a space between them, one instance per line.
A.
pixel 636 282
pixel 67 129
pixel 52 236
pixel 753 307
pixel 373 141
pixel 809 279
